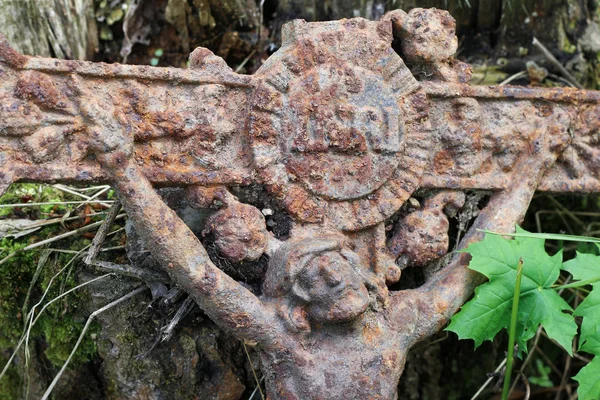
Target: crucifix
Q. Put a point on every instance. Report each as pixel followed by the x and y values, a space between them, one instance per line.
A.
pixel 341 129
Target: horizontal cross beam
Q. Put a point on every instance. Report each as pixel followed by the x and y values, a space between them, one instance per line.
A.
pixel 187 122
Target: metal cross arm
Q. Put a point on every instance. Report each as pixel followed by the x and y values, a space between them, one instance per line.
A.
pixel 338 128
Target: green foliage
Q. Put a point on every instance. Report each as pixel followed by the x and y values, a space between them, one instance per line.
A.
pixel 15 276
pixel 589 384
pixel 542 379
pixel 539 303
pixel 10 383
pixel 586 267
pixel 58 328
pixel 62 333
pixel 34 193
pixel 484 316
pixel 108 13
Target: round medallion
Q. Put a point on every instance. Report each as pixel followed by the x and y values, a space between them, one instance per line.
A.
pixel 338 124
pixel 345 134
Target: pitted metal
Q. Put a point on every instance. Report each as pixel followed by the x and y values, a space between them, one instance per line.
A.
pixel 341 132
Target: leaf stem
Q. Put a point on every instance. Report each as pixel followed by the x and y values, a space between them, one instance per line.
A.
pixel 548 236
pixel 577 284
pixel 512 331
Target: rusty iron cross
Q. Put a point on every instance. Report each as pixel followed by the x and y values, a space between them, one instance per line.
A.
pixel 340 131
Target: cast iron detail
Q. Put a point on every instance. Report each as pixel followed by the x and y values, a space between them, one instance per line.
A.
pixel 338 129
pixel 334 126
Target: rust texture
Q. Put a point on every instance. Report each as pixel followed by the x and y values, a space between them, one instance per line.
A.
pixel 341 132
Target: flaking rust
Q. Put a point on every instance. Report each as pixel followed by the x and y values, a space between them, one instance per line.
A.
pixel 341 132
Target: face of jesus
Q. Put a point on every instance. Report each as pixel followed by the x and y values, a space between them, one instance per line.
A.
pixel 333 289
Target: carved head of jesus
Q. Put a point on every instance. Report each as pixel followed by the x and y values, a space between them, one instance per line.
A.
pixel 332 288
pixel 321 280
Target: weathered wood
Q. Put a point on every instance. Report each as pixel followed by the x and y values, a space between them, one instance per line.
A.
pixel 50 28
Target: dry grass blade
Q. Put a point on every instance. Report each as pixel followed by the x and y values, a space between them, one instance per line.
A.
pixel 32 322
pixel 555 62
pixel 513 77
pixel 55 203
pixel 83 332
pixel 32 318
pixel 490 379
pixel 55 238
pixel 262 395
pixel 42 261
pixel 69 190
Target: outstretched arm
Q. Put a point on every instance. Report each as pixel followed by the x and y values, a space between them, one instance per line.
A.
pixel 177 249
pixel 446 291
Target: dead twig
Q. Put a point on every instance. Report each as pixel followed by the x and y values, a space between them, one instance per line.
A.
pixel 167 331
pixel 555 62
pixel 102 232
pixel 490 379
pixel 527 388
pixel 144 275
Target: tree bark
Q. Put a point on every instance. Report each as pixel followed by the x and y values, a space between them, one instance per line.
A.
pixel 50 28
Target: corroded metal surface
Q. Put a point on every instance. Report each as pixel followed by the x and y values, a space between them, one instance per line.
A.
pixel 341 132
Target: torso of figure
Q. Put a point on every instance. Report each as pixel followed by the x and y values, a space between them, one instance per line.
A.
pixel 363 360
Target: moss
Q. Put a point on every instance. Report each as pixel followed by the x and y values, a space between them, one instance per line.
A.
pixel 596 72
pixel 568 47
pixel 59 337
pixel 60 326
pixel 34 193
pixel 10 384
pixel 15 276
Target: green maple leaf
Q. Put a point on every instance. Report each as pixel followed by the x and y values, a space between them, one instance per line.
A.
pixel 586 267
pixel 489 311
pixel 589 309
pixel 589 384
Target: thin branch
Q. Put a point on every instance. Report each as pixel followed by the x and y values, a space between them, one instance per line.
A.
pixel 555 62
pixel 527 388
pixel 133 272
pixel 490 379
pixel 239 68
pixel 102 232
pixel 184 309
